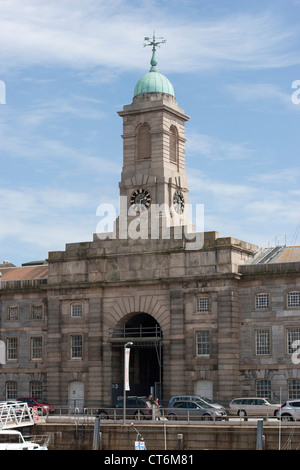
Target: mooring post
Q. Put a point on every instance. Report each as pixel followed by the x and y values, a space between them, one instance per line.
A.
pixel 259 435
pixel 179 441
pixel 96 437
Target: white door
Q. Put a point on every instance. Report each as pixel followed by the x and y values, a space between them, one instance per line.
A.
pixel 204 388
pixel 76 395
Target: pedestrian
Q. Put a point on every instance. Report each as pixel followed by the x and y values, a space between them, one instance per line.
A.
pixel 157 410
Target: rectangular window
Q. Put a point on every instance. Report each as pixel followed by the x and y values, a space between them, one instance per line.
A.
pixel 37 312
pixel 36 347
pixel 12 349
pixel 76 310
pixel 293 334
pixel 203 343
pixel 262 301
pixel 202 304
pixel 36 390
pixel 293 299
pixel 13 313
pixel 294 389
pixel 263 342
pixel 11 390
pixel 76 347
pixel 263 388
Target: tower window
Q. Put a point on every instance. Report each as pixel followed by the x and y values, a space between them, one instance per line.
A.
pixel 143 142
pixel 173 144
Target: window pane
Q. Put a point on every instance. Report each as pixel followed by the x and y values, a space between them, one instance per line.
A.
pixel 76 347
pixel 13 313
pixel 293 335
pixel 202 304
pixel 76 310
pixel 37 312
pixel 263 388
pixel 12 348
pixel 11 389
pixel 293 299
pixel 261 301
pixel 263 342
pixel 294 389
pixel 37 347
pixel 203 343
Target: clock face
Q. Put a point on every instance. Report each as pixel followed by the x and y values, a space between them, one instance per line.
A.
pixel 140 199
pixel 178 201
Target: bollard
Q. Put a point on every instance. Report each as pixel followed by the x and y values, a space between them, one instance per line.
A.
pixel 259 435
pixel 179 441
pixel 96 438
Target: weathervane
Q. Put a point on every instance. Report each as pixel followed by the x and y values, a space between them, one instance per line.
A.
pixel 154 42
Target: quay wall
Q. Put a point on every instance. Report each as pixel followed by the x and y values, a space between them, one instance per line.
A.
pixel 161 437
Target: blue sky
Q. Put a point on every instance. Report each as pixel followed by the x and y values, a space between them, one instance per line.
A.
pixel 69 66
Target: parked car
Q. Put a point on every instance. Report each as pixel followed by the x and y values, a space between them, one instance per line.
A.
pixel 193 410
pixel 42 407
pixel 253 407
pixel 136 408
pixel 290 411
pixel 205 401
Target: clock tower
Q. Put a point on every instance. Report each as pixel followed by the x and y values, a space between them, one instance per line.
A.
pixel 153 179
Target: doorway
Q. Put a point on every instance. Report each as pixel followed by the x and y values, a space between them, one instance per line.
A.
pixel 76 395
pixel 145 366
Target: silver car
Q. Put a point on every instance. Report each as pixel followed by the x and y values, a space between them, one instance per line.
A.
pixel 253 406
pixel 201 400
pixel 193 410
pixel 290 410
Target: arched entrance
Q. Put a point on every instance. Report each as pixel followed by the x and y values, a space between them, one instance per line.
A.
pixel 145 370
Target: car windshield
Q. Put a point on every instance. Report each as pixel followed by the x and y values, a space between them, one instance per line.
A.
pixel 206 399
pixel 203 405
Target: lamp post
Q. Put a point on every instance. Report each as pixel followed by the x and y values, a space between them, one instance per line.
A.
pixel 126 376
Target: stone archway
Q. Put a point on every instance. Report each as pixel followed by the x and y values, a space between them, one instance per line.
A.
pixel 145 371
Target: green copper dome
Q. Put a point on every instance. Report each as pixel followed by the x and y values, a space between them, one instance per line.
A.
pixel 153 81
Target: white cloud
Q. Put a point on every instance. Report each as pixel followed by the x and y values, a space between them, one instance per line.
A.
pixel 263 94
pixel 110 35
pixel 215 148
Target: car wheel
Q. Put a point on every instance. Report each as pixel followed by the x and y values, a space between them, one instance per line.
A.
pixel 242 413
pixel 286 417
pixel 206 417
pixel 139 415
pixel 172 417
pixel 103 415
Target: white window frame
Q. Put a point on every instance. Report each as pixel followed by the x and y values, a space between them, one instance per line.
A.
pixel 76 346
pixel 293 299
pixel 202 304
pixel 203 343
pixel 263 342
pixel 76 312
pixel 262 301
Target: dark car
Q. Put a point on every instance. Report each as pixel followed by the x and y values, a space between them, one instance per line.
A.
pixel 42 407
pixel 193 410
pixel 136 408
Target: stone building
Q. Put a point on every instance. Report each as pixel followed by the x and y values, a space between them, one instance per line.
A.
pixel 207 315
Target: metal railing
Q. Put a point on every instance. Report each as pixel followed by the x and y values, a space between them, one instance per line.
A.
pixel 137 332
pixel 15 415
